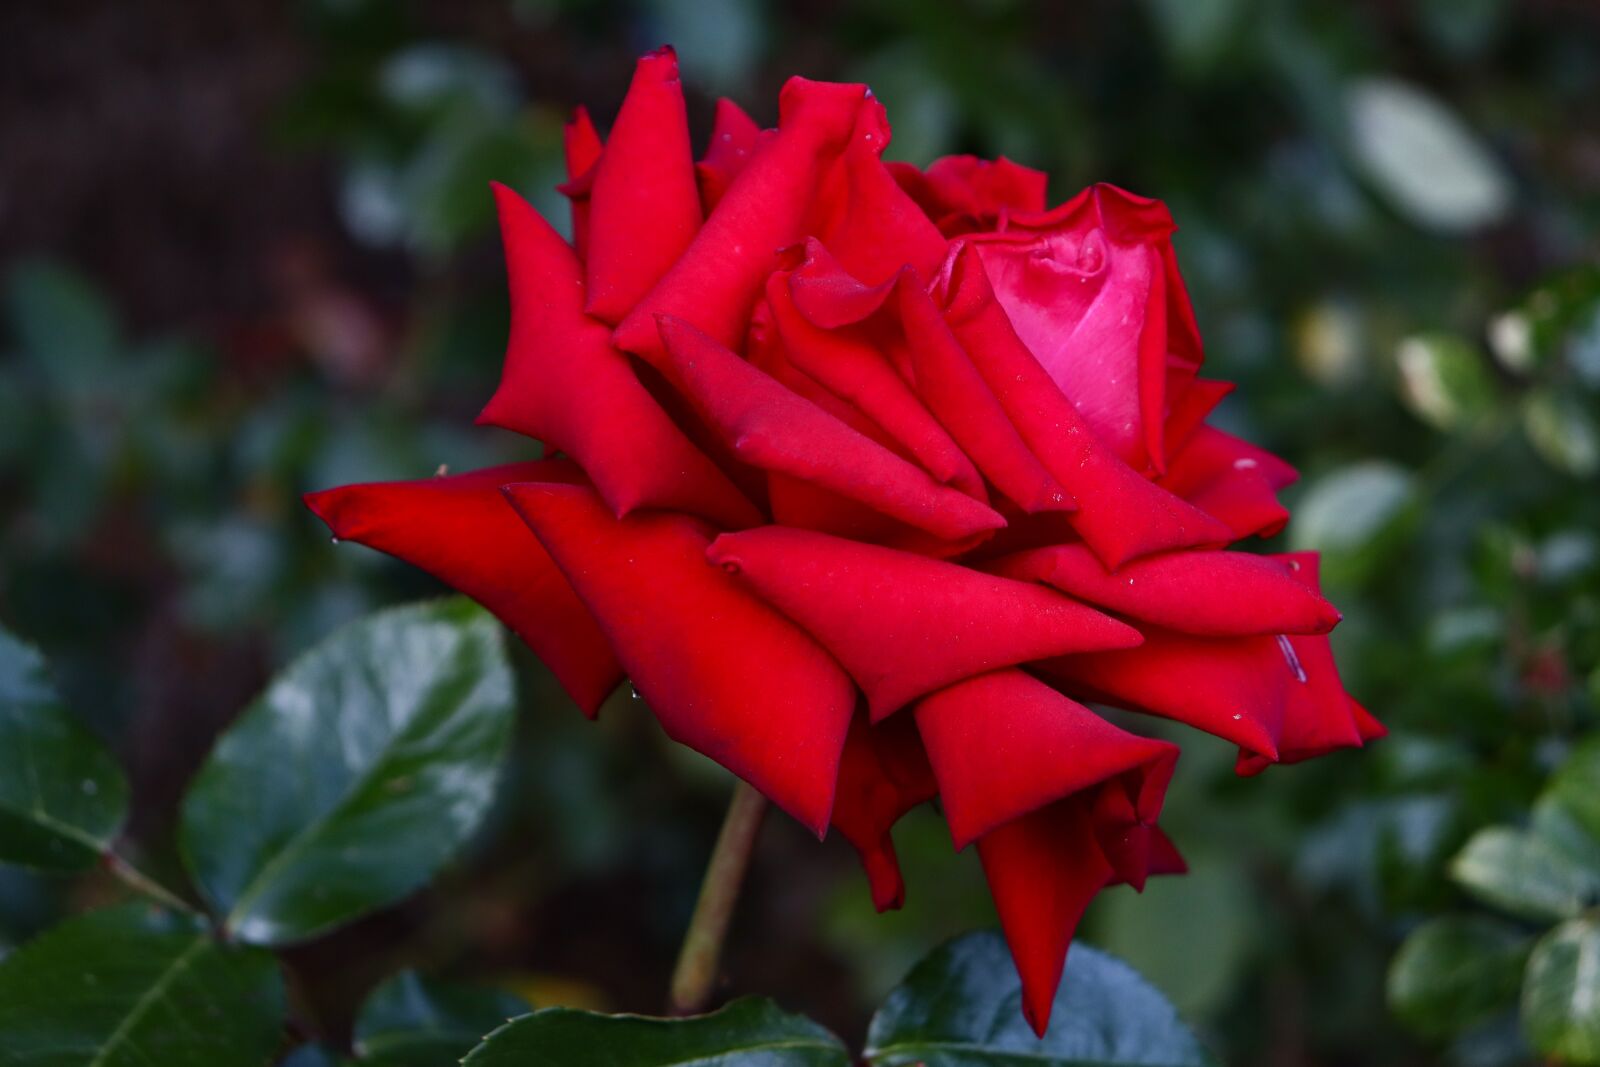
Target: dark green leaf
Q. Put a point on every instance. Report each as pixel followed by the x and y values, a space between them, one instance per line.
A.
pixel 1523 874
pixel 1350 514
pixel 751 1032
pixel 131 986
pixel 1576 786
pixel 1456 972
pixel 352 779
pixel 961 1007
pixel 62 795
pixel 411 1021
pixel 60 322
pixel 1561 430
pixel 1561 993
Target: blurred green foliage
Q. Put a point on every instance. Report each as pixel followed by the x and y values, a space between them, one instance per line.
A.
pixel 1389 221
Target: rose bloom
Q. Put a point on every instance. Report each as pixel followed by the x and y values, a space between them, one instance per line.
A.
pixel 870 478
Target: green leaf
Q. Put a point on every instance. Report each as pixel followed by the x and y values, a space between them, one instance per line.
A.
pixel 1562 431
pixel 1444 380
pixel 1455 972
pixel 411 1021
pixel 1423 158
pixel 1348 515
pixel 750 1032
pixel 1561 993
pixel 355 776
pixel 62 795
pixel 1553 821
pixel 1576 788
pixel 1524 874
pixel 961 1007
pixel 131 986
pixel 58 319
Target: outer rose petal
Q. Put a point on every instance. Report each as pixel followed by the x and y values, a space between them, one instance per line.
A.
pixel 1005 744
pixel 1233 687
pixel 581 143
pixel 716 281
pixel 645 207
pixel 725 674
pixel 904 625
pixel 461 530
pixel 733 142
pixel 1190 410
pixel 883 775
pixel 1217 594
pixel 772 428
pixel 1120 514
pixel 1085 287
pixel 1232 480
pixel 1319 715
pixel 1043 870
pixel 564 384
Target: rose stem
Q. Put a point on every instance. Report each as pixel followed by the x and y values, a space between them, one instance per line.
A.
pixel 696 972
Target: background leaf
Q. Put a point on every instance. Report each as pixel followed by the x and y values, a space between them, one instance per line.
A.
pixel 1423 158
pixel 750 1032
pixel 1455 972
pixel 1523 874
pixel 960 1007
pixel 358 772
pixel 412 1021
pixel 1561 997
pixel 129 986
pixel 62 794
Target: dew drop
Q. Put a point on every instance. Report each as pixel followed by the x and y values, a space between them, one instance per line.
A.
pixel 333 540
pixel 1291 659
pixel 1237 716
pixel 634 690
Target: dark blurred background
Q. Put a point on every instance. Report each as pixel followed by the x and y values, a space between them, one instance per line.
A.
pixel 247 250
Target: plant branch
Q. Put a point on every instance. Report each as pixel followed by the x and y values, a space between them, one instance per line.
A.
pixel 137 879
pixel 696 972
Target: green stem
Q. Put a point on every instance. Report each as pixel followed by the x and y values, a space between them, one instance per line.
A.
pixel 696 972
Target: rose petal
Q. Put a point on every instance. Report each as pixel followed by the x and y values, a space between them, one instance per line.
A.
pixel 733 141
pixel 715 283
pixel 1233 687
pixel 853 369
pixel 1120 515
pixel 956 393
pixel 724 673
pixel 564 384
pixel 1233 481
pixel 460 529
pixel 904 625
pixel 1005 744
pixel 1217 594
pixel 1043 870
pixel 883 775
pixel 580 143
pixel 771 428
pixel 645 207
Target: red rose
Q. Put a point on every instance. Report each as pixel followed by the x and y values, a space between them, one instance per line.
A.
pixel 870 477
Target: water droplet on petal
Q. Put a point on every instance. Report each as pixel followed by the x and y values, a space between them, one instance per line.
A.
pixel 333 540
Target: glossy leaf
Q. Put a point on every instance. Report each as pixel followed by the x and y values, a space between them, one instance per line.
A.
pixel 960 1007
pixel 412 1021
pixel 1444 380
pixel 1576 786
pixel 1349 514
pixel 352 779
pixel 1561 993
pixel 1562 431
pixel 751 1032
pixel 1455 972
pixel 1524 874
pixel 129 987
pixel 62 795
pixel 1423 158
